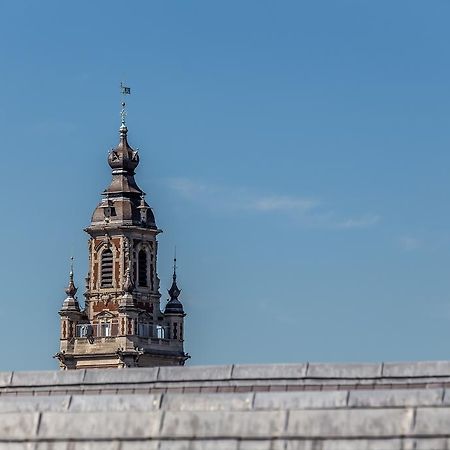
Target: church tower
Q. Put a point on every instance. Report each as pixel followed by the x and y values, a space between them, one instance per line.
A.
pixel 122 324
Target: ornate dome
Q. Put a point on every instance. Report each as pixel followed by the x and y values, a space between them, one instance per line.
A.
pixel 124 201
pixel 123 157
pixel 71 302
pixel 174 306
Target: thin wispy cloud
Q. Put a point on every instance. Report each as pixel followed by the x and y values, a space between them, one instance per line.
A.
pixel 188 188
pixel 284 203
pixel 409 243
pixel 308 210
pixel 364 221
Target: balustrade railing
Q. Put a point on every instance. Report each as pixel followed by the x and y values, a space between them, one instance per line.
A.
pixel 102 329
pixel 111 329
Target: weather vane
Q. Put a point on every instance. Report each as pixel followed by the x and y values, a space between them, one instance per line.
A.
pixel 124 90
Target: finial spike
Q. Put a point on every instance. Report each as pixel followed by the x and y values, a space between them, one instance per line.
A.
pixel 174 306
pixel 124 90
pixel 128 285
pixel 175 263
pixel 123 114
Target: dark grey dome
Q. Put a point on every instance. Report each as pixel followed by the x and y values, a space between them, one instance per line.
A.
pixel 124 202
pixel 174 306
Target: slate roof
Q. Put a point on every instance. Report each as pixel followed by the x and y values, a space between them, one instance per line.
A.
pixel 237 407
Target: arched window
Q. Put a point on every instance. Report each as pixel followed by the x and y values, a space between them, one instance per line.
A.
pixel 142 268
pixel 161 332
pixel 107 268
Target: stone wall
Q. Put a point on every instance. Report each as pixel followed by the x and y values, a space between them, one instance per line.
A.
pixel 236 407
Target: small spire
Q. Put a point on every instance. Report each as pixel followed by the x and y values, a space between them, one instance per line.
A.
pixel 128 285
pixel 174 306
pixel 71 290
pixel 142 205
pixel 174 291
pixel 71 303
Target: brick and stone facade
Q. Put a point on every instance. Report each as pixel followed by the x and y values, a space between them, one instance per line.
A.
pixel 122 324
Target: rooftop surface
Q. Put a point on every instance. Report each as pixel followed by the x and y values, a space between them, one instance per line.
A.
pixel 285 406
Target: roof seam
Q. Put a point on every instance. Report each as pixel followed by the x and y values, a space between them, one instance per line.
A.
pixel 38 425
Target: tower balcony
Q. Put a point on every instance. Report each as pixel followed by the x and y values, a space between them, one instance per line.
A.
pixel 103 329
pixel 154 333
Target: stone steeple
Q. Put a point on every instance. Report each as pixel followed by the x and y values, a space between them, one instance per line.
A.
pixel 174 306
pixel 71 302
pixel 122 324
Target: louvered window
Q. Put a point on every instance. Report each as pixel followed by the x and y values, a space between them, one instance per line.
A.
pixel 142 263
pixel 152 276
pixel 107 268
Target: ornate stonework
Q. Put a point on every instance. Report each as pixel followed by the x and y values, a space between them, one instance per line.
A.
pixel 122 324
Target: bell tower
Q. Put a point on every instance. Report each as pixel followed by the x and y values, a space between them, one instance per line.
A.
pixel 122 324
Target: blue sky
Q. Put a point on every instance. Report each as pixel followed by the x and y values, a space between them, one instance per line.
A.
pixel 297 154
